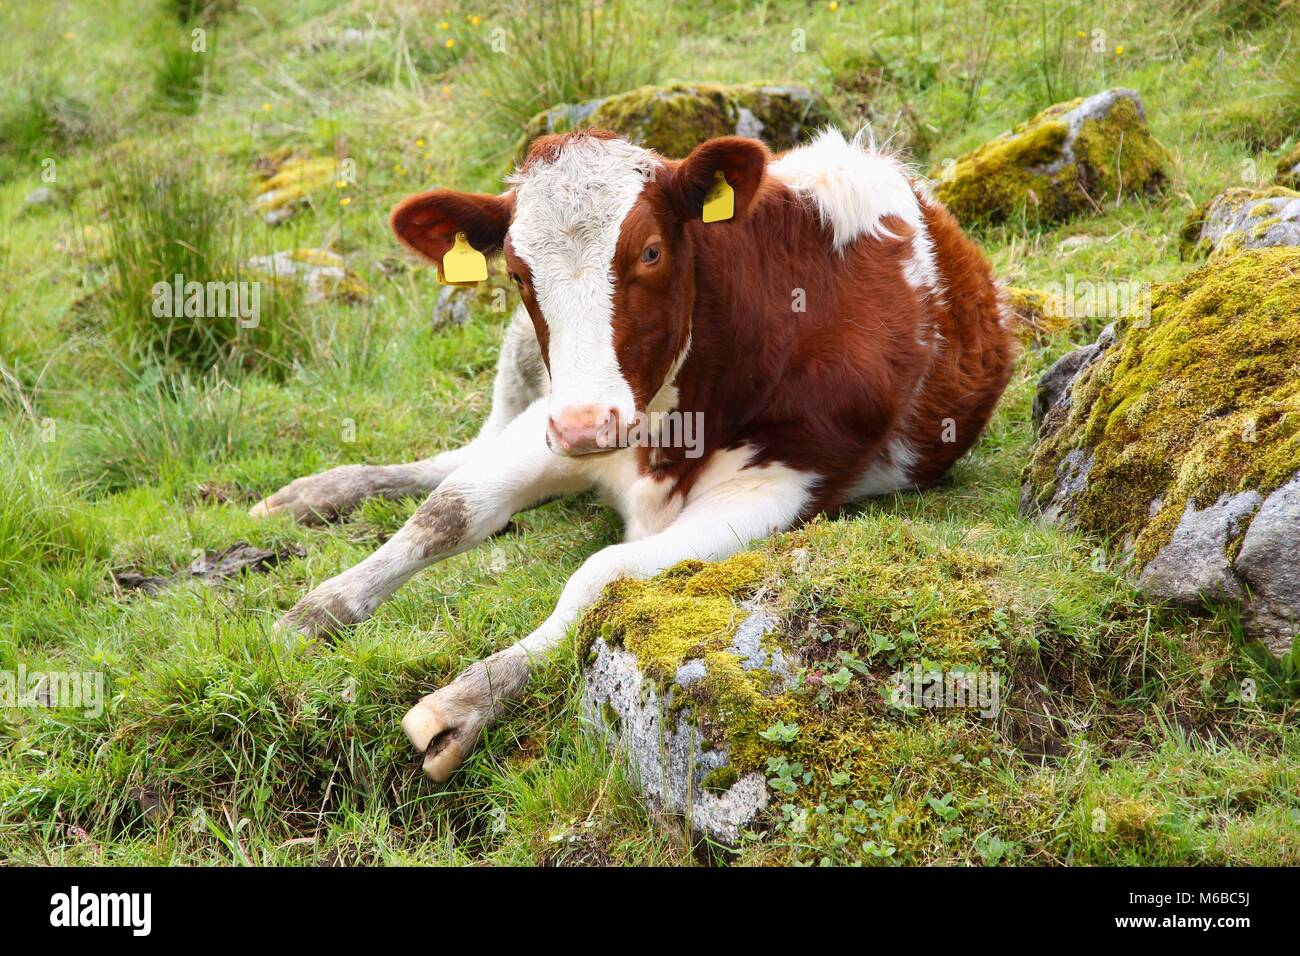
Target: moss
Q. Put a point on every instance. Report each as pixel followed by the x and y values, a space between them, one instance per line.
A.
pixel 673 120
pixel 1194 244
pixel 939 603
pixel 293 180
pixel 1130 818
pixel 1201 402
pixel 1028 170
pixel 1288 169
pixel 1037 315
pixel 1117 155
pixel 1260 229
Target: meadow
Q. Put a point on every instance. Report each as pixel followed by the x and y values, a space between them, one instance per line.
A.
pixel 135 445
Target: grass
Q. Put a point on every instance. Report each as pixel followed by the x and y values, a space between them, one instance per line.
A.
pixel 133 443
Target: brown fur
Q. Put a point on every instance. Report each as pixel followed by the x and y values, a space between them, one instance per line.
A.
pixel 825 390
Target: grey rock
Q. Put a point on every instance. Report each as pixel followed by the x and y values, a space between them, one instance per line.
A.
pixel 1194 564
pixel 1269 561
pixel 668 751
pixel 41 196
pixel 452 307
pixel 1055 384
pixel 1239 219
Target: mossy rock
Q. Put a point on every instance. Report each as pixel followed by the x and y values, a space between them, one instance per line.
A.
pixel 730 712
pixel 1178 438
pixel 1238 219
pixel 289 180
pixel 673 120
pixel 324 275
pixel 1288 169
pixel 1035 315
pixel 1068 160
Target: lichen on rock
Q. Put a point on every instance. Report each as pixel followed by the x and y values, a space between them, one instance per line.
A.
pixel 725 709
pixel 323 274
pixel 673 120
pixel 289 180
pixel 1238 219
pixel 1067 160
pixel 1170 440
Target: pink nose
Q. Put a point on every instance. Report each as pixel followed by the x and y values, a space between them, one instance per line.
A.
pixel 581 429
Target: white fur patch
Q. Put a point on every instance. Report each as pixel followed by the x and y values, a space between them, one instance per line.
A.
pixel 855 187
pixel 890 472
pixel 568 215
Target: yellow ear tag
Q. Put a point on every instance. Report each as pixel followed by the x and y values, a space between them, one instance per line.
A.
pixel 720 203
pixel 462 264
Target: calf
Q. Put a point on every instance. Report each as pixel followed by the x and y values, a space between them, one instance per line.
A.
pixel 835 337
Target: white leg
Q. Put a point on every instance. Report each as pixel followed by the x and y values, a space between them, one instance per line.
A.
pixel 716 523
pixel 507 473
pixel 316 499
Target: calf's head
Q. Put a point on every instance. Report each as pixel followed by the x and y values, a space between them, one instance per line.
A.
pixel 597 236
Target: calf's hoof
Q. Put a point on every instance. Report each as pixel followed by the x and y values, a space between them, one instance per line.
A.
pixel 439 730
pixel 446 725
pixel 316 616
pixel 318 499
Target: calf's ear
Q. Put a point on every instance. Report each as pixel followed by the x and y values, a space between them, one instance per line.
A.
pixel 428 222
pixel 742 161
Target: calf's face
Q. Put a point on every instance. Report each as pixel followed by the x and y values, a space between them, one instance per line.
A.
pixel 596 238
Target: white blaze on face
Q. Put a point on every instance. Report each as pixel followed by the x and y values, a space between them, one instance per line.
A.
pixel 568 215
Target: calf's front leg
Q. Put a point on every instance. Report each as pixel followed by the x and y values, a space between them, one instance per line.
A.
pixel 446 725
pixel 509 472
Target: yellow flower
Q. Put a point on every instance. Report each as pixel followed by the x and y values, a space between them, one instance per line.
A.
pixel 345 200
pixel 67 36
pixel 341 184
pixel 1119 51
pixel 451 42
pixel 419 144
pixel 475 20
pixel 399 169
pixel 446 90
pixel 1081 35
pixel 832 6
pixel 444 25
pixel 266 107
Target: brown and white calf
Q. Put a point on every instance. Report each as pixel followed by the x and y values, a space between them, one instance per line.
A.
pixel 837 337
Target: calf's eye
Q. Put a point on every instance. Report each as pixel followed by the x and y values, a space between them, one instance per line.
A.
pixel 650 255
pixel 514 277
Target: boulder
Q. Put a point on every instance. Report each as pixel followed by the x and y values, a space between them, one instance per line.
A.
pixel 1067 160
pixel 678 671
pixel 673 120
pixel 289 181
pixel 739 711
pixel 1288 169
pixel 1178 438
pixel 1240 218
pixel 324 274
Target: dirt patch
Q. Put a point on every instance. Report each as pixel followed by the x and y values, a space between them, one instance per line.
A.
pixel 211 567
